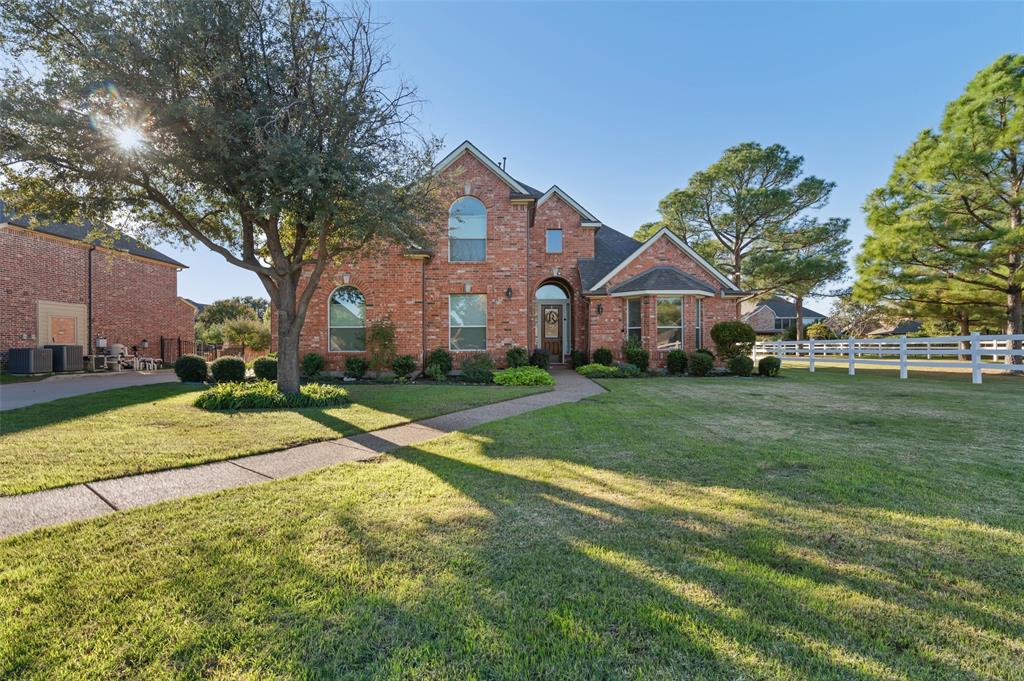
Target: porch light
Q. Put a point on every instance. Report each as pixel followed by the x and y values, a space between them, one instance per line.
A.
pixel 144 344
pixel 600 309
pixel 508 292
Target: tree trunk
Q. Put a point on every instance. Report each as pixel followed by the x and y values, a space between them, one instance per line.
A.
pixel 288 326
pixel 1015 324
pixel 798 303
pixel 737 277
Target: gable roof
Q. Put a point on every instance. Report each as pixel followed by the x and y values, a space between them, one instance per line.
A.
pixel 728 286
pixel 662 279
pixel 589 219
pixel 610 248
pixel 80 233
pixel 518 188
pixel 784 308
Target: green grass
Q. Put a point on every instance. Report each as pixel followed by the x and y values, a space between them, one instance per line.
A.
pixel 148 428
pixel 810 526
pixel 6 378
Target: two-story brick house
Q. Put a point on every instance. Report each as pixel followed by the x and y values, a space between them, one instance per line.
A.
pixel 516 266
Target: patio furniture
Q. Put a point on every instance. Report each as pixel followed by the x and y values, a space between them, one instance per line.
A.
pixel 148 363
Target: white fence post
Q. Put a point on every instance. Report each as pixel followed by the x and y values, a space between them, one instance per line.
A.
pixel 810 354
pixel 851 370
pixel 975 358
pixel 903 356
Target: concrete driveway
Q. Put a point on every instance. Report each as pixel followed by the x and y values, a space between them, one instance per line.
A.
pixel 16 395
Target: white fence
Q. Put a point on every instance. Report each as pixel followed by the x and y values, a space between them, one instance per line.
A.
pixel 974 352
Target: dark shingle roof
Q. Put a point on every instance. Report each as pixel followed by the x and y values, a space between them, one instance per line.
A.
pixel 81 232
pixel 784 308
pixel 611 247
pixel 662 278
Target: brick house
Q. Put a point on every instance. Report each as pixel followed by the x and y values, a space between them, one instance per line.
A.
pixel 59 287
pixel 515 266
pixel 775 315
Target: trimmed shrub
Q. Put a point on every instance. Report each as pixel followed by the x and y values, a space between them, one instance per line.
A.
pixel 769 366
pixel 733 339
pixel 190 368
pixel 595 370
pixel 403 365
pixel 676 362
pixel 355 366
pixel 603 356
pixel 442 358
pixel 312 364
pixel 700 363
pixel 705 351
pixel 436 372
pixel 478 368
pixel 517 357
pixel 523 376
pixel 579 358
pixel 627 370
pixel 265 368
pixel 540 358
pixel 741 365
pixel 265 395
pixel 635 354
pixel 819 331
pixel 228 369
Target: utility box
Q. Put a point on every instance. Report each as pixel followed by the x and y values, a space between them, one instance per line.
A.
pixel 67 357
pixel 30 360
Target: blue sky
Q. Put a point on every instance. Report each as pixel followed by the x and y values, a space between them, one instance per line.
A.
pixel 619 103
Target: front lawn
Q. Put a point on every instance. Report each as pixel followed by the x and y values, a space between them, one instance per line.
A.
pixel 148 428
pixel 810 526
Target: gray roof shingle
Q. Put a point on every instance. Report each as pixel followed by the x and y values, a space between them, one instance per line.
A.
pixel 611 247
pixel 662 278
pixel 784 308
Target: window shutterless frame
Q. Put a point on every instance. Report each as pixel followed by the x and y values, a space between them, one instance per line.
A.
pixel 346 320
pixel 670 323
pixel 467 230
pixel 553 241
pixel 467 321
pixel 698 324
pixel 634 310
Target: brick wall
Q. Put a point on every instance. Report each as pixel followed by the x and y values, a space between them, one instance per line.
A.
pixel 133 298
pixel 763 321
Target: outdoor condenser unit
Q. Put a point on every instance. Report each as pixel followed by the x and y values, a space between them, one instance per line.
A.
pixel 30 360
pixel 67 357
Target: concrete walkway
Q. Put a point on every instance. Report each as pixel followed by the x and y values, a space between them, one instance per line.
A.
pixel 17 395
pixel 51 507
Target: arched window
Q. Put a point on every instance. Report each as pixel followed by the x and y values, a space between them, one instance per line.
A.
pixel 467 231
pixel 551 292
pixel 346 317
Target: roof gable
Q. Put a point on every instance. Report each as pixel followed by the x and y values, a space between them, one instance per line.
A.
pixel 468 148
pixel 663 279
pixel 783 308
pixel 588 218
pixel 665 233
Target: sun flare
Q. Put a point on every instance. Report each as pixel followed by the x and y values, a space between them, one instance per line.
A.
pixel 129 139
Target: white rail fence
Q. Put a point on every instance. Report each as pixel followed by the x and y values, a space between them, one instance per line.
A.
pixel 974 352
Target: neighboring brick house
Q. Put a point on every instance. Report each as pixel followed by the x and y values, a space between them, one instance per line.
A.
pixel 59 288
pixel 519 267
pixel 775 315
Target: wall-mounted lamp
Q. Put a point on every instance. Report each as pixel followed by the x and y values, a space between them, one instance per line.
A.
pixel 346 277
pixel 600 309
pixel 508 292
pixel 468 286
pixel 145 344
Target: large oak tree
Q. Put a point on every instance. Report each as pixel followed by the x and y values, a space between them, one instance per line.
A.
pixel 264 130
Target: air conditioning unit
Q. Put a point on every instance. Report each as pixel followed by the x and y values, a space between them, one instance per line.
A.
pixel 67 357
pixel 30 360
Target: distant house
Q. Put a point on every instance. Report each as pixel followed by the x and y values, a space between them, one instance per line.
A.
pixel 59 286
pixel 196 307
pixel 904 328
pixel 775 315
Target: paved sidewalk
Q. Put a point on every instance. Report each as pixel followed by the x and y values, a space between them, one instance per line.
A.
pixel 17 395
pixel 51 507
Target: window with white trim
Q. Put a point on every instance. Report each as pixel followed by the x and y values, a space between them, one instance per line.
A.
pixel 698 323
pixel 633 319
pixel 346 320
pixel 670 323
pixel 553 241
pixel 467 321
pixel 467 231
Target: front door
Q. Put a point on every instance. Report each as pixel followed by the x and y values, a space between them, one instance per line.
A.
pixel 551 330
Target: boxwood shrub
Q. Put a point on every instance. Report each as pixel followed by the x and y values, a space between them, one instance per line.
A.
pixel 676 362
pixel 635 354
pixel 628 370
pixel 523 376
pixel 265 395
pixel 265 368
pixel 579 358
pixel 769 366
pixel 603 356
pixel 733 339
pixel 355 367
pixel 190 368
pixel 440 358
pixel 478 368
pixel 700 363
pixel 596 370
pixel 517 357
pixel 540 358
pixel 403 365
pixel 741 365
pixel 312 364
pixel 228 369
